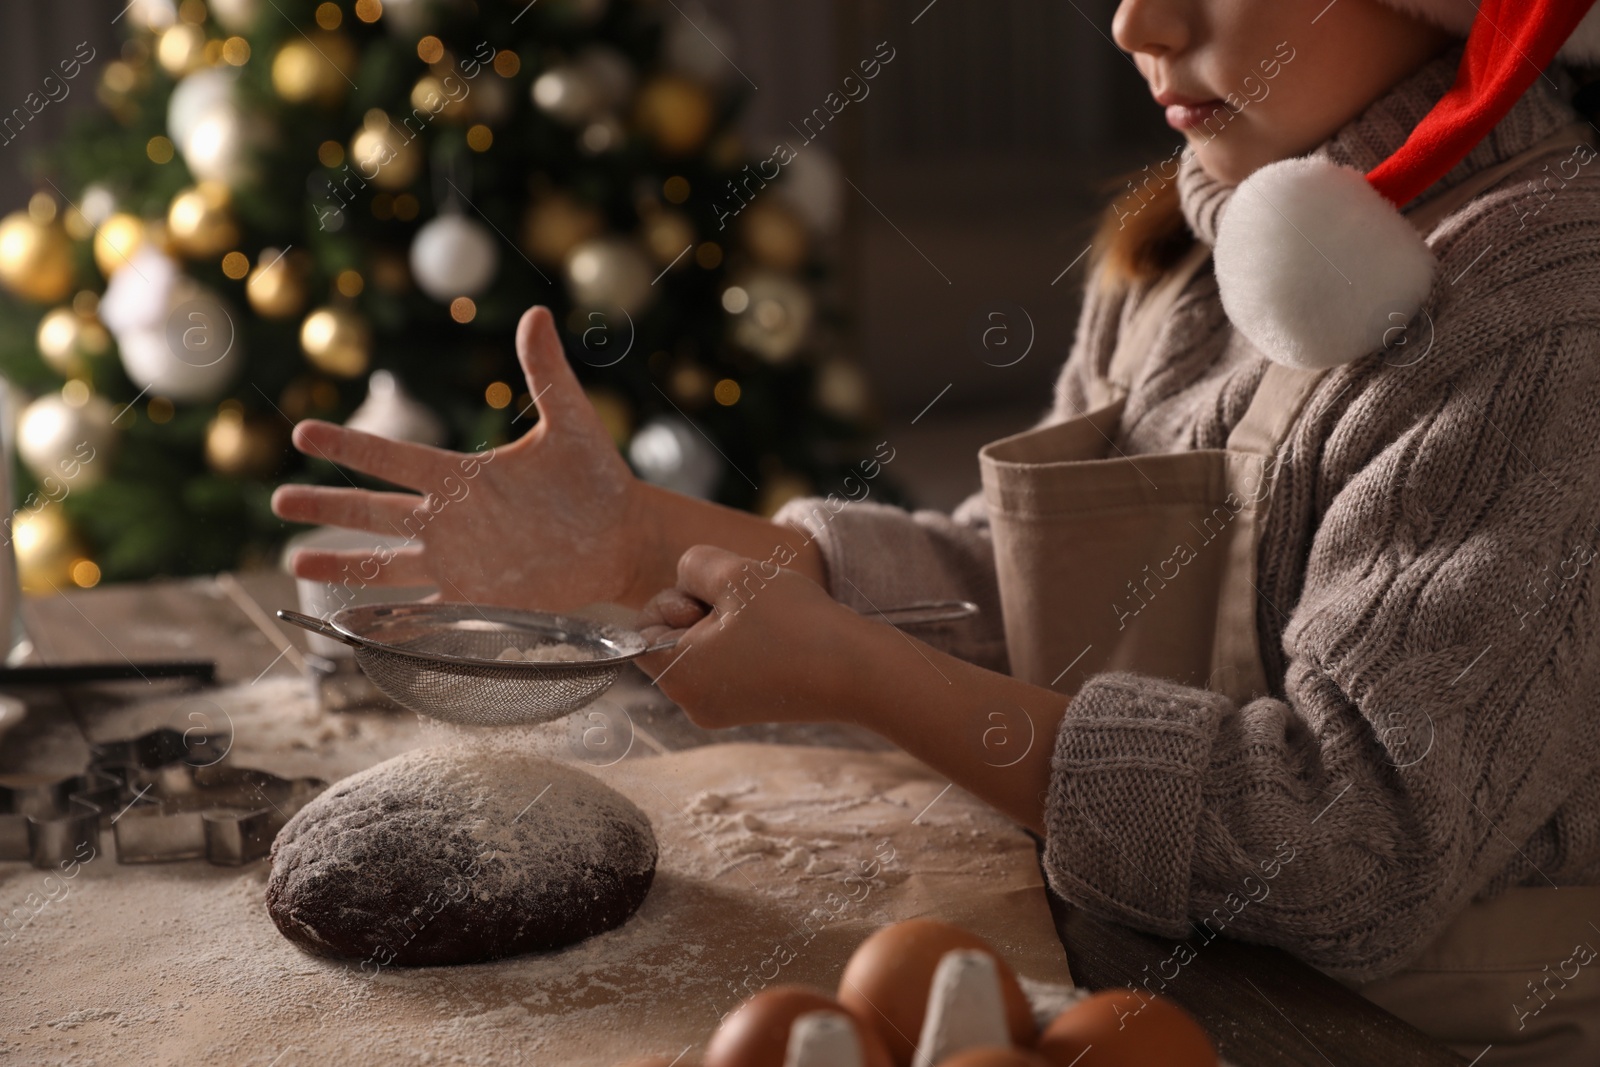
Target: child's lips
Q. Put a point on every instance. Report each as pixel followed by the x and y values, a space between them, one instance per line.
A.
pixel 1187 115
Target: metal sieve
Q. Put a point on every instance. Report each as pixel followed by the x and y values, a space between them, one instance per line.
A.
pixel 439 659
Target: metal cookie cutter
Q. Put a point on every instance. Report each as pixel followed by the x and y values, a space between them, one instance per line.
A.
pixel 47 821
pixel 164 796
pixel 226 815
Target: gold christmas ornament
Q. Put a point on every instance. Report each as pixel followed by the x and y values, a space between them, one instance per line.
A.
pixel 35 258
pixel 68 437
pixel 556 224
pixel 116 241
pixel 181 49
pixel 384 154
pixel 314 69
pixel 775 235
pixel 337 341
pixel 428 97
pixel 668 235
pixel 676 113
pixel 245 446
pixel 276 288
pixel 772 315
pixel 200 221
pixel 690 384
pixel 609 272
pixel 69 342
pixel 47 548
pixel 842 389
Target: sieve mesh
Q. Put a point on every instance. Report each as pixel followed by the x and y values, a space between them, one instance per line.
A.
pixel 442 659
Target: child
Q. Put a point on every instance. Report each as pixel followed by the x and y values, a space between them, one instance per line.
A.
pixel 1288 627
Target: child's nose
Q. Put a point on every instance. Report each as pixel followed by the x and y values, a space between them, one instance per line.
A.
pixel 1154 27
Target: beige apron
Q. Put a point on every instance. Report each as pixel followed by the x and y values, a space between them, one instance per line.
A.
pixel 1148 563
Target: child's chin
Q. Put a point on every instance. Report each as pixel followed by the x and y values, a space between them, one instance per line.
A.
pixel 1226 163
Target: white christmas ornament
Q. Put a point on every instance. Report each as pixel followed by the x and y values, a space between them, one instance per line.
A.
pixel 1315 267
pixel 610 272
pixel 454 256
pixel 194 96
pixel 598 81
pixel 97 204
pixel 411 18
pixel 699 45
pixel 672 454
pixel 239 16
pixel 389 411
pixel 68 442
pixel 176 338
pixel 217 147
pixel 153 14
pixel 813 185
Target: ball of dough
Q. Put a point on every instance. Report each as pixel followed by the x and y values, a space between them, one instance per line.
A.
pixel 458 855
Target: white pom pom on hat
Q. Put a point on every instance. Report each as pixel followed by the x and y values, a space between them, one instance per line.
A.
pixel 1314 261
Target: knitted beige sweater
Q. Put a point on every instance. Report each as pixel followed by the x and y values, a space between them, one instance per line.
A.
pixel 1429 617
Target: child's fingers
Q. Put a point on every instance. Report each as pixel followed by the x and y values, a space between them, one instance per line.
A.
pixel 711 574
pixel 675 609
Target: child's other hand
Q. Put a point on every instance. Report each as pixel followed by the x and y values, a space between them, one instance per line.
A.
pixel 769 648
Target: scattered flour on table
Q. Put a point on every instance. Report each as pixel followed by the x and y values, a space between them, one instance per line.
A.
pixel 180 963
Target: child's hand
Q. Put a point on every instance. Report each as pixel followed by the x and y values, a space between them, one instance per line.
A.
pixel 771 646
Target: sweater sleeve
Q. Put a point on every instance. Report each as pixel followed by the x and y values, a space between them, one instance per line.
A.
pixel 879 556
pixel 1441 665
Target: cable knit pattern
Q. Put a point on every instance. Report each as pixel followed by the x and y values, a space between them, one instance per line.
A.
pixel 1429 617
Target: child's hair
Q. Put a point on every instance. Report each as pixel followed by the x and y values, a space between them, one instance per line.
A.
pixel 1140 234
pixel 1143 233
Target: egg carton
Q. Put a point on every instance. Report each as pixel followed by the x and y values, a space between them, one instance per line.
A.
pixel 163 795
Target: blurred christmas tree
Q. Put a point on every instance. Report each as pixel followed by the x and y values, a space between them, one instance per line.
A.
pixel 291 209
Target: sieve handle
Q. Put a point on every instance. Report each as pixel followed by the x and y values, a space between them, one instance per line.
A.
pixel 317 626
pixel 909 615
pixel 925 612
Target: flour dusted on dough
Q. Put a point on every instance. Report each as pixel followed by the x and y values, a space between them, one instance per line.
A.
pixel 458 854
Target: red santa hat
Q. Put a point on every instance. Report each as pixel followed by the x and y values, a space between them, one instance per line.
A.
pixel 1314 261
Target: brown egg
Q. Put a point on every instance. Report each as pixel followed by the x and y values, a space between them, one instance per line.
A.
pixel 994 1057
pixel 1124 1028
pixel 886 983
pixel 658 1061
pixel 757 1034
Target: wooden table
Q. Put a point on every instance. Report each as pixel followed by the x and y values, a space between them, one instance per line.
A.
pixel 1261 1004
